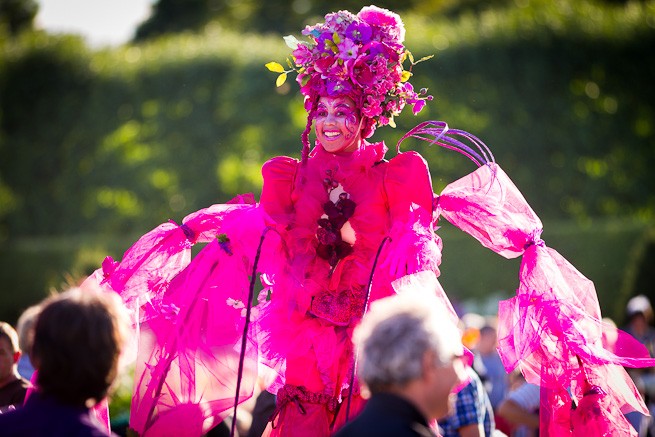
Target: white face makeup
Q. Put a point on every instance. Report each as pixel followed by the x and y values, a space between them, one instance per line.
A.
pixel 338 124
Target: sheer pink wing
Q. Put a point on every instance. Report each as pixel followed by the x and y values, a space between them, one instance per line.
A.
pixel 552 328
pixel 190 316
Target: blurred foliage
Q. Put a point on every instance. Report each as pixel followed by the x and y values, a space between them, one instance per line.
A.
pixel 17 15
pixel 173 16
pixel 116 141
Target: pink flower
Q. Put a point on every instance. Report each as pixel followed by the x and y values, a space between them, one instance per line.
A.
pixel 384 18
pixel 361 72
pixel 302 54
pixel 371 107
pixel 347 49
pixel 357 55
pixel 108 267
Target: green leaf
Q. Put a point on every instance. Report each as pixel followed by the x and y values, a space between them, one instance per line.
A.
pixel 291 41
pixel 392 123
pixel 281 79
pixel 275 67
pixel 336 38
pixel 424 58
pixel 405 76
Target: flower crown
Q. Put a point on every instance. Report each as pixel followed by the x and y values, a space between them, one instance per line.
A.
pixel 360 56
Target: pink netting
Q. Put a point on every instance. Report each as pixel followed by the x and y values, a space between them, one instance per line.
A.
pixel 190 316
pixel 552 328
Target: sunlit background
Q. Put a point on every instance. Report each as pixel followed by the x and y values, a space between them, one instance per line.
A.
pixel 118 115
pixel 101 22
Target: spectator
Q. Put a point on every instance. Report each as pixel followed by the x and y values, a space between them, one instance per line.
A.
pixel 78 339
pixel 521 407
pixel 12 386
pixel 472 416
pixel 639 317
pixel 25 330
pixel 410 360
pixel 495 376
pixel 490 368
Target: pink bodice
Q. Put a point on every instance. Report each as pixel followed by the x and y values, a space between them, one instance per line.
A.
pixel 383 193
pixel 392 199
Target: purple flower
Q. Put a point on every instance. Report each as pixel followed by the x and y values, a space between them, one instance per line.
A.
pixel 359 32
pixel 417 106
pixel 338 87
pixel 357 55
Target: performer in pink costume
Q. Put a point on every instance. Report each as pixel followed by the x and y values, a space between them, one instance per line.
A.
pixel 281 284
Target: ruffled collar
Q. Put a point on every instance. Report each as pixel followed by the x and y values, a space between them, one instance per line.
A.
pixel 344 165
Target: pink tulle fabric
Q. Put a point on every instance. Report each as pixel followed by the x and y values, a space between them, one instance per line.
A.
pixel 552 328
pixel 189 316
pixel 191 313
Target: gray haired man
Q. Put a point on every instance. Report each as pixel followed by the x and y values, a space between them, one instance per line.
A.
pixel 410 359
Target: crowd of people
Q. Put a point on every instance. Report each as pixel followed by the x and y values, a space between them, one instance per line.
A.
pixel 325 293
pixel 412 363
pixel 74 345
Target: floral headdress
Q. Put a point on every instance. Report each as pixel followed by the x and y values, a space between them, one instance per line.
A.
pixel 360 56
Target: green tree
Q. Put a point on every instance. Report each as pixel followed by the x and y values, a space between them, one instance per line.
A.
pixel 17 15
pixel 282 16
pixel 172 16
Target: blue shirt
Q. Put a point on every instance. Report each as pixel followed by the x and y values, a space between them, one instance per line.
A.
pixel 472 408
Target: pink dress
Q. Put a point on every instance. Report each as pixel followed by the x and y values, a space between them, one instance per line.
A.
pixel 327 236
pixel 324 287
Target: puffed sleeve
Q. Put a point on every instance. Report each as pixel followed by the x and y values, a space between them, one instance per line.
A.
pixel 279 174
pixel 414 247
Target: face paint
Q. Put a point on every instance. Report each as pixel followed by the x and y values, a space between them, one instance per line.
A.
pixel 338 124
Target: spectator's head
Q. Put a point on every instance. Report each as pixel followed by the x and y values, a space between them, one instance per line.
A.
pixel 488 340
pixel 639 315
pixel 9 353
pixel 639 309
pixel 25 329
pixel 408 345
pixel 78 338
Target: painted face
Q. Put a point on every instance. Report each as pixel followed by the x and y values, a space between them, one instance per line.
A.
pixel 338 124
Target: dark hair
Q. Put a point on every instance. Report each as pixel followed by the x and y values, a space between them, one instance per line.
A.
pixel 78 339
pixel 304 137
